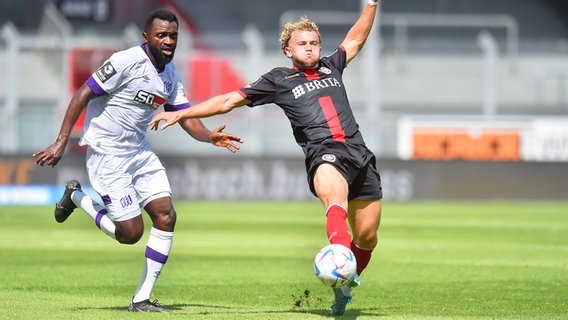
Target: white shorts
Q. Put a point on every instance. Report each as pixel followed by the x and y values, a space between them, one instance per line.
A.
pixel 127 183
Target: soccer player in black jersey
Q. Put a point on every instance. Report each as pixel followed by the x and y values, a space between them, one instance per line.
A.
pixel 341 169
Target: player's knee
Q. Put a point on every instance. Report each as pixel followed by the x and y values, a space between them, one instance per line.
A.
pixel 129 239
pixel 129 236
pixel 367 240
pixel 166 220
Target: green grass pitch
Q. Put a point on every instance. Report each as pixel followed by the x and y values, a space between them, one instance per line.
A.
pixel 243 260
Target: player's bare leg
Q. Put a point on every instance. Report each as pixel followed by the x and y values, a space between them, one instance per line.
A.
pixel 364 218
pixel 332 189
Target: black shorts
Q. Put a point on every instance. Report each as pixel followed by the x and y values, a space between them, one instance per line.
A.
pixel 356 163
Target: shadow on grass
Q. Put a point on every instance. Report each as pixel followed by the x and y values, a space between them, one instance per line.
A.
pixel 350 314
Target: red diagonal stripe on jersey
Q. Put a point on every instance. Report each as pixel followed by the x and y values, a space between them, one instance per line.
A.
pixel 332 119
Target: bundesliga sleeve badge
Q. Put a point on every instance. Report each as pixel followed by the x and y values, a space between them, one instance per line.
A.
pixel 105 72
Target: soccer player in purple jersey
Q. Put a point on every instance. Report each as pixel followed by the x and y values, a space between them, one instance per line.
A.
pixel 122 97
pixel 341 169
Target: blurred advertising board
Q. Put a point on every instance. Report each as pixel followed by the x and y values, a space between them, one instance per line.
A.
pixel 252 178
pixel 475 138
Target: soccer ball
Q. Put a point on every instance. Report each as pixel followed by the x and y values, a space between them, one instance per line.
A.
pixel 335 265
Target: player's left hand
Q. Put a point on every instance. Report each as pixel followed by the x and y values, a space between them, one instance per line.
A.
pixel 222 139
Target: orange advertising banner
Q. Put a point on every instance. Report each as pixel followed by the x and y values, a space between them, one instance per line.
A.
pixel 462 144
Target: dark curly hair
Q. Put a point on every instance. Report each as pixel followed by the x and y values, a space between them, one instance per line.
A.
pixel 162 14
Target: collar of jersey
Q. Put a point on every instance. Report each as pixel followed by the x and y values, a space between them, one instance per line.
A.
pixel 307 71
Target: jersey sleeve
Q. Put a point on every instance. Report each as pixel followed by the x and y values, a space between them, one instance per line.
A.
pixel 110 76
pixel 260 92
pixel 337 59
pixel 178 99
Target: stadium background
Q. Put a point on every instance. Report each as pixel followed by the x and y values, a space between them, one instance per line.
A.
pixel 460 99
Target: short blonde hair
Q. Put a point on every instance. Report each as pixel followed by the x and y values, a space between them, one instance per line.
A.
pixel 304 24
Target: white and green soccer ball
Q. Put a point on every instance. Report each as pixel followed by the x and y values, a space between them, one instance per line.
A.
pixel 335 265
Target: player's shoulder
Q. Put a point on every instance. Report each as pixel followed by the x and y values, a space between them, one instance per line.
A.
pixel 130 56
pixel 338 52
pixel 170 68
pixel 170 73
pixel 282 72
pixel 336 59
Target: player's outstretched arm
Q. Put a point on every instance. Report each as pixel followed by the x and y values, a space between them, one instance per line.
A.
pixel 217 105
pixel 357 35
pixel 52 154
pixel 196 129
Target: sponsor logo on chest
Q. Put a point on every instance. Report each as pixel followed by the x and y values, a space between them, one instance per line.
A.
pixel 313 85
pixel 153 100
pixel 149 99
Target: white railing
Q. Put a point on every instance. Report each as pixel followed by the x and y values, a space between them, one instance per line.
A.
pixel 402 22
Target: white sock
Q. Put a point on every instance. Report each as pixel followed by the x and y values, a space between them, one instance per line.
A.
pixel 157 252
pixel 95 211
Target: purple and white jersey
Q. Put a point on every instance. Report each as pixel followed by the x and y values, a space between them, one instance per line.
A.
pixel 129 89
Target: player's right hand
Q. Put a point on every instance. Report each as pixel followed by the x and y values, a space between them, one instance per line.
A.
pixel 50 155
pixel 169 117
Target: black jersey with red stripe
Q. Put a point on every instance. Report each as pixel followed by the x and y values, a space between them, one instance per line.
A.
pixel 315 101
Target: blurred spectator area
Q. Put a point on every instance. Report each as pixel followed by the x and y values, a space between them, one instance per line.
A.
pixel 428 57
